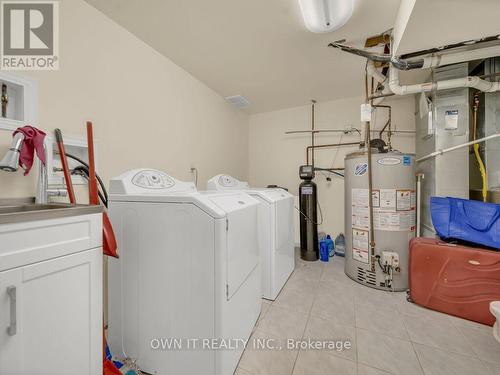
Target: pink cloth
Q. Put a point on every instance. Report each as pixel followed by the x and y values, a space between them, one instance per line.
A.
pixel 33 140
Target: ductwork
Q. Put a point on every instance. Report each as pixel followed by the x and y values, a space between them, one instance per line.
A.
pixel 360 52
pixel 454 58
pixel 473 82
pixel 374 72
pixel 426 62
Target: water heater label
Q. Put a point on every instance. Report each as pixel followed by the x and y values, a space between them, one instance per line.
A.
pixel 389 161
pixel 451 119
pixel 388 199
pixel 393 209
pixel 404 200
pixel 360 240
pixel 306 190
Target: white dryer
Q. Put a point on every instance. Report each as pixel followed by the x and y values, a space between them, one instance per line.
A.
pixel 188 270
pixel 276 230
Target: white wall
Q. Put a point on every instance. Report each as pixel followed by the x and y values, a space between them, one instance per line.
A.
pixel 275 157
pixel 147 112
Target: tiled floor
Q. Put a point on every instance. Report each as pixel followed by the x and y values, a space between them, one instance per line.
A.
pixel 388 334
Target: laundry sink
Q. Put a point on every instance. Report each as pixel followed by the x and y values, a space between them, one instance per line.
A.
pixel 15 211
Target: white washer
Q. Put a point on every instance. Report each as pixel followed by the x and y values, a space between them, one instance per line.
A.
pixel 276 231
pixel 188 269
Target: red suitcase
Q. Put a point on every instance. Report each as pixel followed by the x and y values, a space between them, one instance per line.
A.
pixel 454 279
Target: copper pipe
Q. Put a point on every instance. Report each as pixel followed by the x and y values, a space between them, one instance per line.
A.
pixel 312 132
pixel 388 124
pixel 320 131
pixel 327 146
pixel 376 96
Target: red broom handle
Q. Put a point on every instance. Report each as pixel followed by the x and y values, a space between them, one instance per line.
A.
pixel 93 194
pixel 65 166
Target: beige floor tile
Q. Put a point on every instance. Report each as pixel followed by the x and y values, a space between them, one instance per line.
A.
pixel 386 353
pixel 374 297
pixel 321 363
pixel 367 370
pixel 335 302
pixel 441 334
pixel 440 362
pixel 285 323
pixel 266 361
pixel 412 309
pixel 463 323
pixel 298 295
pixel 383 320
pixel 308 270
pixel 335 273
pixel 263 311
pixel 494 368
pixel 329 329
pixel 240 371
pixel 483 343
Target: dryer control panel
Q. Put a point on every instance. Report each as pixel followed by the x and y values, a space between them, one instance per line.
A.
pixel 226 182
pixel 150 179
pixel 148 182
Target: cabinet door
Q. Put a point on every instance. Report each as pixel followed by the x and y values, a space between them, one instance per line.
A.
pixel 51 317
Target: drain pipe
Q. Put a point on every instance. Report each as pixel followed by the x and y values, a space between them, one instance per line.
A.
pixel 420 177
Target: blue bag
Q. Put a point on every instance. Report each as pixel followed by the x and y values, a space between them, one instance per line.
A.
pixel 466 220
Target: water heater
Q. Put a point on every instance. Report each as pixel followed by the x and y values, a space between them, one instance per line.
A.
pixel 394 204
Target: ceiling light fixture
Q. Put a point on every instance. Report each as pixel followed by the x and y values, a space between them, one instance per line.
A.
pixel 324 16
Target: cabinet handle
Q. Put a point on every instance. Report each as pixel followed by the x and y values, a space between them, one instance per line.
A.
pixel 12 328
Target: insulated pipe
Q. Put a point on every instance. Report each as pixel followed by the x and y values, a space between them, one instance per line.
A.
pixel 474 82
pixel 426 62
pixel 454 58
pixel 374 72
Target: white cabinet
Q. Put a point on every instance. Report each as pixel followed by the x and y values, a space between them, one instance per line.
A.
pixel 51 310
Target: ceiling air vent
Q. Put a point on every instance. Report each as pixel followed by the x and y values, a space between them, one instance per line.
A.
pixel 238 101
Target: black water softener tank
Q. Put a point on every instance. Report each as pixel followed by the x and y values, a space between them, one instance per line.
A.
pixel 309 247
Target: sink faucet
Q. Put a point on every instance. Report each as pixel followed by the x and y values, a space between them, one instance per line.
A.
pixel 10 163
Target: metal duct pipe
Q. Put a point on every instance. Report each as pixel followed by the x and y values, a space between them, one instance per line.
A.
pixel 426 62
pixel 356 51
pixel 474 82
